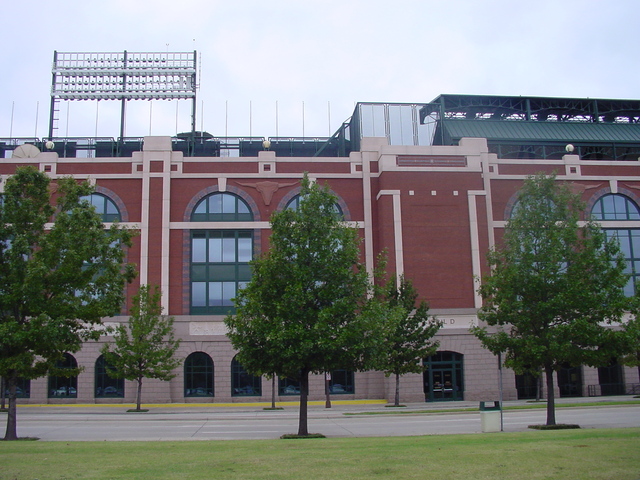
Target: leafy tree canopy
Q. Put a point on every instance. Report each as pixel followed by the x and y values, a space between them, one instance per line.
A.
pixel 411 333
pixel 305 309
pixel 145 346
pixel 555 285
pixel 411 329
pixel 56 281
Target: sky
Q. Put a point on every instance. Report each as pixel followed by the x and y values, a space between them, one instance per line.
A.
pixel 297 68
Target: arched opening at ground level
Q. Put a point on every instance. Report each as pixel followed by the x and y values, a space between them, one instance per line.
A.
pixel 443 377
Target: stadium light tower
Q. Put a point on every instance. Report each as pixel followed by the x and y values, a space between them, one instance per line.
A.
pixel 122 76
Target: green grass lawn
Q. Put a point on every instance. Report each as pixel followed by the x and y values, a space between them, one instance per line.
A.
pixel 611 454
pixel 526 406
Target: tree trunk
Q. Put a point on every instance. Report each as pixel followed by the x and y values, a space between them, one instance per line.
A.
pixel 327 391
pixel 3 388
pixel 551 403
pixel 273 392
pixel 304 395
pixel 397 396
pixel 12 428
pixel 139 395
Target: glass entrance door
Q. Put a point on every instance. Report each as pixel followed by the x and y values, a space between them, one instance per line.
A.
pixel 443 380
pixel 570 381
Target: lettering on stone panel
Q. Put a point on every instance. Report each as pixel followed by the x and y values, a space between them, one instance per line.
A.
pixel 458 321
pixel 207 328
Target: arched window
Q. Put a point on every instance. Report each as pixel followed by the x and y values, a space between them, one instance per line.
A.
pixel 443 378
pixel 288 386
pixel 616 207
pixel 610 379
pixel 526 385
pixel 294 204
pixel 341 382
pixel 106 386
pixel 219 258
pixel 64 386
pixel 243 384
pixel 570 380
pixel 105 207
pixel 198 375
pixel 23 387
pixel 221 207
pixel 518 205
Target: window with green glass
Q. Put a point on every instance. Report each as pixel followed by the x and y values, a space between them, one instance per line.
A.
pixel 220 259
pixel 198 375
pixel 105 385
pixel 616 207
pixel 244 384
pixel 219 268
pixel 341 382
pixel 105 207
pixel 294 204
pixel 62 385
pixel 222 207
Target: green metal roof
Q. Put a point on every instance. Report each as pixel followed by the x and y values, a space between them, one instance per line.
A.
pixel 533 131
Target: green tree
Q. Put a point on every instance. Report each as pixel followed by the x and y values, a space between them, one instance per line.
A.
pixel 305 309
pixel 554 286
pixel 145 346
pixel 411 332
pixel 632 329
pixel 56 282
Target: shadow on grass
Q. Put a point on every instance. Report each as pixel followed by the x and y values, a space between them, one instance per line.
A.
pixel 21 439
pixel 559 426
pixel 295 436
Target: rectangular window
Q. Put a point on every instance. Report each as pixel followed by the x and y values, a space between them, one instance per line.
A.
pixel 219 268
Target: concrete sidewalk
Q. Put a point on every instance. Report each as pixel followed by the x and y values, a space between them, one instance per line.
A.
pixel 250 421
pixel 338 407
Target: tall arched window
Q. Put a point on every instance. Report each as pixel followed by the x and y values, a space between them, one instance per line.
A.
pixel 242 383
pixel 106 386
pixel 219 258
pixel 616 207
pixel 198 375
pixel 105 207
pixel 63 386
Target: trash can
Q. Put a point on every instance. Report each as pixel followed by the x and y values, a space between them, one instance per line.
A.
pixel 490 413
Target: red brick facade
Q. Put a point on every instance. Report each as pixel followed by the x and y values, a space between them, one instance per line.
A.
pixel 436 211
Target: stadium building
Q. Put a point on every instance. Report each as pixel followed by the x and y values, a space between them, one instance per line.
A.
pixel 432 183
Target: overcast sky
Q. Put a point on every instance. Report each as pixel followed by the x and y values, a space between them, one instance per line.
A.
pixel 315 58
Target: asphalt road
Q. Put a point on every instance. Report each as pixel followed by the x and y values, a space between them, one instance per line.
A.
pixel 93 423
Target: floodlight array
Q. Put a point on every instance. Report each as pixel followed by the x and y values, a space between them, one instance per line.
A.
pixel 114 76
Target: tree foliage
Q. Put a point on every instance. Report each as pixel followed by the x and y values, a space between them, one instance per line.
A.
pixel 632 329
pixel 305 309
pixel 555 285
pixel 410 335
pixel 145 346
pixel 57 282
